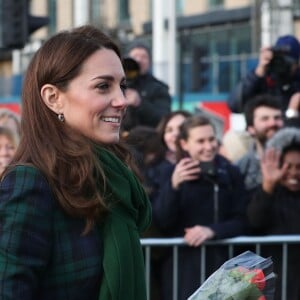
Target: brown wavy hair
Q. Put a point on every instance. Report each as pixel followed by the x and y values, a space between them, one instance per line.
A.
pixel 64 156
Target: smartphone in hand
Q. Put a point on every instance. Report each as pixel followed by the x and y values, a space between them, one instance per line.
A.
pixel 208 168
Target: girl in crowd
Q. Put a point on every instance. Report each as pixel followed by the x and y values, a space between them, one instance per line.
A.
pixel 200 198
pixel 168 130
pixel 10 119
pixel 70 207
pixel 275 207
pixel 8 146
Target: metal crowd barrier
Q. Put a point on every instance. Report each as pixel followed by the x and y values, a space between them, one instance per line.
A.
pixel 257 241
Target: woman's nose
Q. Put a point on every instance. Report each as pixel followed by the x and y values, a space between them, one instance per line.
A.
pixel 120 100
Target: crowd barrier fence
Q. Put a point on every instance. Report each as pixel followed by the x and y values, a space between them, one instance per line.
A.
pixel 253 241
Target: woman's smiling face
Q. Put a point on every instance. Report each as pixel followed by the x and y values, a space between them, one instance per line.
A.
pixel 172 131
pixel 291 178
pixel 94 102
pixel 201 144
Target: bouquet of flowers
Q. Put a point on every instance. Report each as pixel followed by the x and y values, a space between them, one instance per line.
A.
pixel 245 277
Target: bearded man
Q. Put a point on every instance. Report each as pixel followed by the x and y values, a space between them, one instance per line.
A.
pixel 264 118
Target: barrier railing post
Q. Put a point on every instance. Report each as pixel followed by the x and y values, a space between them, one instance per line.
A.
pixel 257 248
pixel 175 272
pixel 203 264
pixel 284 271
pixel 148 270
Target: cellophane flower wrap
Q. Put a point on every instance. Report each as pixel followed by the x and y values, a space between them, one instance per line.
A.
pixel 245 277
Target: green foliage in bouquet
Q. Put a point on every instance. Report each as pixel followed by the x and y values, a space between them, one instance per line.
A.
pixel 241 278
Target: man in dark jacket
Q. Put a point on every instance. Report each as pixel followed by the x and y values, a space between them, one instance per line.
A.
pixel 277 73
pixel 149 99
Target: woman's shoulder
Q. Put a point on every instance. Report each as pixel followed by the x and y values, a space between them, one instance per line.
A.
pixel 26 173
pixel 25 181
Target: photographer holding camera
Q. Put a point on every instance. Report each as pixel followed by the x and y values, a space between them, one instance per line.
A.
pixel 277 73
pixel 148 97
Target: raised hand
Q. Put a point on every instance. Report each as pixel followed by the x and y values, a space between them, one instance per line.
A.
pixel 265 58
pixel 271 170
pixel 186 169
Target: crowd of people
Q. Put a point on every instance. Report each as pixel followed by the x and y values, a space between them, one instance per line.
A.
pixel 79 188
pixel 200 192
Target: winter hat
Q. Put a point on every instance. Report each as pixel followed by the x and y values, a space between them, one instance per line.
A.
pixel 138 44
pixel 284 138
pixel 291 44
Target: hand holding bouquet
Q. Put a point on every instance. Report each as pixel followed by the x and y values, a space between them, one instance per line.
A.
pixel 244 277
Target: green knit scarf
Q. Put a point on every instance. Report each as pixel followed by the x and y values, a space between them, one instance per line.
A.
pixel 130 214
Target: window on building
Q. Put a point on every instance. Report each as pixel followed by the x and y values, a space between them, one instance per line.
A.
pixel 95 12
pixel 215 3
pixel 52 16
pixel 124 10
pixel 213 61
pixel 296 8
pixel 180 6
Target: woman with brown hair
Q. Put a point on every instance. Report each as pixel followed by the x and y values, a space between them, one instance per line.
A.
pixel 200 198
pixel 70 207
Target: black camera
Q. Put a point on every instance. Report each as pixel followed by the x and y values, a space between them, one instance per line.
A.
pixel 132 70
pixel 280 66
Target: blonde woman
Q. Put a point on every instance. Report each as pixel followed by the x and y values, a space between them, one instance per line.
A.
pixel 10 119
pixel 8 146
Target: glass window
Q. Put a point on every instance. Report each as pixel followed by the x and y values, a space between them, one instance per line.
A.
pixel 214 3
pixel 179 6
pixel 123 10
pixel 95 12
pixel 214 61
pixel 52 16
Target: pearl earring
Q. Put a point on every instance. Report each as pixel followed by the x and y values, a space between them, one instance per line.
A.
pixel 61 117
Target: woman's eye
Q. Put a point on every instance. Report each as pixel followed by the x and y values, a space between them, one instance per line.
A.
pixel 124 87
pixel 103 86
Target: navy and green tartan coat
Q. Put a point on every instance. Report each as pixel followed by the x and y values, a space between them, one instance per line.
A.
pixel 42 252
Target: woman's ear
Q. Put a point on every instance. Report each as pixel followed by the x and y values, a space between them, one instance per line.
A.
pixel 51 97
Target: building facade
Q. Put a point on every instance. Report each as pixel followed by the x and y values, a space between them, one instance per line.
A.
pixel 217 41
